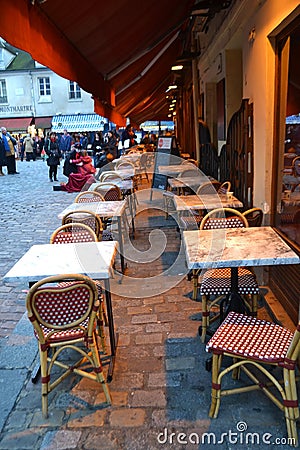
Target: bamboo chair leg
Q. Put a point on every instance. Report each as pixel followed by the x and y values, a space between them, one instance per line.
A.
pixel 45 381
pixel 195 284
pixel 216 389
pixel 205 317
pixel 98 369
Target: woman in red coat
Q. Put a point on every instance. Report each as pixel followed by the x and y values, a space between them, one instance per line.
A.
pixel 84 176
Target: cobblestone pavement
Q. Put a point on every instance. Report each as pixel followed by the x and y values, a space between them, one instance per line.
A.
pixel 160 387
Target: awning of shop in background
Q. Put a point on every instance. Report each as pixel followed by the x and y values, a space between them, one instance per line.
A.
pixel 42 122
pixel 19 124
pixel 121 53
pixel 78 123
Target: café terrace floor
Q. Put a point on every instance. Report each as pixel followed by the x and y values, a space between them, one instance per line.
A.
pixel 160 387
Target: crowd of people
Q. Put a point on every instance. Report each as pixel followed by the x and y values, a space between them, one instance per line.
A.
pixel 69 150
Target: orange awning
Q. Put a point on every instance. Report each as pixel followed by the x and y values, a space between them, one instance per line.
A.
pixel 120 52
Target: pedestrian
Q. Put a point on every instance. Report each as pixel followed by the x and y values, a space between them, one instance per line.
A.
pixel 9 145
pixel 65 143
pixel 28 148
pixel 2 157
pixel 54 154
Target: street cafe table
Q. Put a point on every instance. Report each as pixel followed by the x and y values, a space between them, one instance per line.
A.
pixel 191 182
pixel 94 259
pixel 173 170
pixel 126 187
pixel 107 209
pixel 184 203
pixel 236 247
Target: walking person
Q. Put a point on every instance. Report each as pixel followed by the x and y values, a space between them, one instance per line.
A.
pixel 54 154
pixel 28 148
pixel 2 157
pixel 65 143
pixel 9 145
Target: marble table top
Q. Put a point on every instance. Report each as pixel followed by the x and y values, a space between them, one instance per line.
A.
pixel 175 169
pixel 235 247
pixel 125 173
pixel 193 182
pixel 102 209
pixel 205 201
pixel 94 259
pixel 124 185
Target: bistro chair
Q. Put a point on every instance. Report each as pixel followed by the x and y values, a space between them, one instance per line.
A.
pixel 89 197
pixel 110 175
pixel 64 318
pixel 73 232
pixel 193 220
pixel 142 168
pixel 262 346
pixel 254 216
pixel 90 219
pixel 124 165
pixel 108 191
pixel 217 282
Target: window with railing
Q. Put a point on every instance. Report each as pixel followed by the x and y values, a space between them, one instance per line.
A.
pixel 74 90
pixel 3 92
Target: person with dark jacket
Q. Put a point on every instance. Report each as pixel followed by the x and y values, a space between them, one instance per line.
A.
pixel 128 133
pixel 9 145
pixel 111 144
pixel 65 143
pixel 2 157
pixel 54 154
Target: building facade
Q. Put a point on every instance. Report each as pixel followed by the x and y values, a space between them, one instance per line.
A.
pixel 31 95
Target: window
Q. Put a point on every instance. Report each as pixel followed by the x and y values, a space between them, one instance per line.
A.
pixel 74 90
pixel 3 92
pixel 44 86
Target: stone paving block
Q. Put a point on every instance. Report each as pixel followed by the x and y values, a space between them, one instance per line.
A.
pixel 23 440
pixel 151 338
pixel 146 318
pixel 132 417
pixel 61 439
pixel 11 383
pixel 155 397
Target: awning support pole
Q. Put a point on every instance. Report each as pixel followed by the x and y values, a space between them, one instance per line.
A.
pixel 195 99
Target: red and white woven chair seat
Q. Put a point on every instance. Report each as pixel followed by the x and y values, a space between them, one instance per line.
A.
pixel 191 222
pixel 74 236
pixel 218 282
pixel 251 338
pixel 54 336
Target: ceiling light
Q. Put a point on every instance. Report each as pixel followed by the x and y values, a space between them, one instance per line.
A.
pixel 169 115
pixel 174 101
pixel 178 67
pixel 172 86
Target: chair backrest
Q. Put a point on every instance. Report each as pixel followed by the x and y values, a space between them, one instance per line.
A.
pixel 109 175
pixel 124 165
pixel 296 166
pixel 88 218
pixel 224 188
pixel 88 197
pixel 143 161
pixel 190 172
pixel 109 191
pixel 210 187
pixel 60 303
pixel 223 218
pixel 74 232
pixel 254 216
